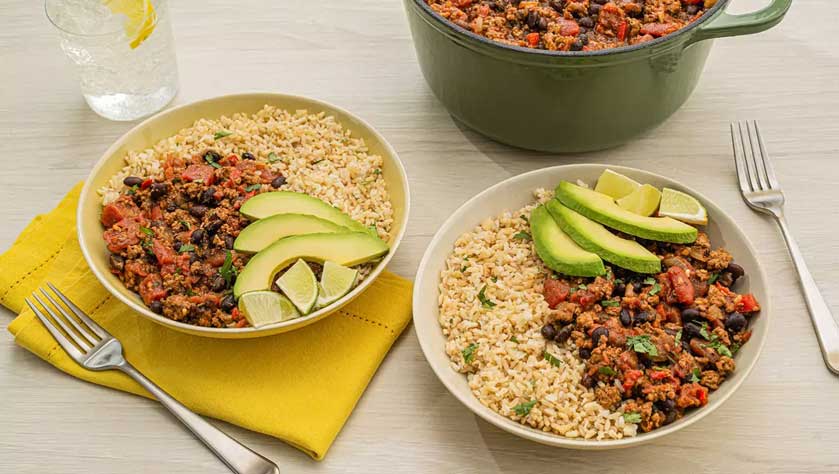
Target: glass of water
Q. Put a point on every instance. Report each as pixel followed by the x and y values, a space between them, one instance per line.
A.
pixel 124 51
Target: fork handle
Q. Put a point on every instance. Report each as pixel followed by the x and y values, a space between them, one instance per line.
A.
pixel 827 331
pixel 234 454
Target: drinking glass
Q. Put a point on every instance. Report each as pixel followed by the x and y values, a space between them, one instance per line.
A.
pixel 124 51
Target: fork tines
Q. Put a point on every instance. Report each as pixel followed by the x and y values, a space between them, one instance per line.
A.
pixel 77 335
pixel 754 170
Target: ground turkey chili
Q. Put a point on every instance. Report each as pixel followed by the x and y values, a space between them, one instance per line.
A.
pixel 655 346
pixel 171 238
pixel 571 25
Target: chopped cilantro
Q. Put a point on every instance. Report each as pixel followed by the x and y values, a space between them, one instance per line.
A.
pixel 514 339
pixel 210 161
pixel 714 278
pixel 655 290
pixel 377 171
pixel 147 231
pixel 494 279
pixel 618 281
pixel 735 347
pixel 718 346
pixel 649 281
pixel 273 158
pixel 679 336
pixel 523 409
pixel 317 161
pixel 133 189
pixel 469 352
pixel 703 331
pixel 524 218
pixel 611 303
pixel 485 302
pixel 632 417
pixel 189 292
pixel 642 344
pixel 227 270
pixel 186 248
pixel 523 236
pixel 582 286
pixel 221 134
pixel 253 187
pixel 185 224
pixel 463 269
pixel 552 359
pixel 606 370
pixel 694 375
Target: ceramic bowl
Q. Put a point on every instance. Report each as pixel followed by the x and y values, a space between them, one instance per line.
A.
pixel 168 123
pixel 513 194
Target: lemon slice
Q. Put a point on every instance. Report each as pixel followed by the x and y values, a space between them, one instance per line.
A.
pixel 140 18
pixel 643 201
pixel 615 185
pixel 335 282
pixel 682 207
pixel 300 286
pixel 266 307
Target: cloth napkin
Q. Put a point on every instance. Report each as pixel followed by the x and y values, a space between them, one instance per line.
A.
pixel 300 386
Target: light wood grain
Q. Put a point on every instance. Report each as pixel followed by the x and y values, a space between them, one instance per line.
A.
pixel 359 55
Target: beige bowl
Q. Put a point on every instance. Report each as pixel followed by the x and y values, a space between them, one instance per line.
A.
pixel 513 194
pixel 168 123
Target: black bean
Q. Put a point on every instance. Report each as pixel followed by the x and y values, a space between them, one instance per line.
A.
pixel 584 39
pixel 229 240
pixel 208 197
pixel 587 381
pixel 156 307
pixel 171 207
pixel 577 45
pixel 619 289
pixel 117 262
pixel 587 22
pixel 594 9
pixel 228 303
pixel 556 5
pixel 735 322
pixel 158 190
pixel 600 2
pixel 642 317
pixel 198 211
pixel 213 227
pixel 211 155
pixel 597 334
pixel 543 23
pixel 248 156
pixel 690 331
pixel 564 333
pixel 690 314
pixel 735 270
pixel 626 317
pixel 549 331
pixel 277 182
pixel 665 405
pixel 726 279
pixel 637 286
pixel 692 9
pixel 132 181
pixel 197 236
pixel 585 354
pixel 533 20
pixel 218 283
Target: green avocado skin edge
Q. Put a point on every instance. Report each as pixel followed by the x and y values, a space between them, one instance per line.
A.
pixel 575 203
pixel 641 263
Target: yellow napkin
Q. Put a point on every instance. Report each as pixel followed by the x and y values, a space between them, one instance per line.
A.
pixel 300 386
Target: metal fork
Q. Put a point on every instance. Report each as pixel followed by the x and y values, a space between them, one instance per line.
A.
pixel 92 347
pixel 762 192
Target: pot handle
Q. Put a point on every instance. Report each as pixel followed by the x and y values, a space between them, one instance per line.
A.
pixel 745 24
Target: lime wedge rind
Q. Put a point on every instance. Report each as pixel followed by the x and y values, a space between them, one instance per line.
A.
pixel 262 308
pixel 682 207
pixel 336 281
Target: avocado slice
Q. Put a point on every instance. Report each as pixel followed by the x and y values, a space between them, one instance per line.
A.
pixel 559 252
pixel 595 238
pixel 265 232
pixel 347 248
pixel 286 202
pixel 603 209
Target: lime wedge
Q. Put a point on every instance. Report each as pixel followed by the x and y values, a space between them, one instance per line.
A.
pixel 266 307
pixel 335 282
pixel 300 286
pixel 643 201
pixel 615 184
pixel 140 18
pixel 682 207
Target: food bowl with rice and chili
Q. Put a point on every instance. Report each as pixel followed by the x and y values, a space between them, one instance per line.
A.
pixel 590 308
pixel 244 215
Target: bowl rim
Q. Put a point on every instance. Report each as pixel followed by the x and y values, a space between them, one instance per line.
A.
pixel 468 399
pixel 270 328
pixel 460 31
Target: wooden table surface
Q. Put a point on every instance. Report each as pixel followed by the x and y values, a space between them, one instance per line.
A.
pixel 359 55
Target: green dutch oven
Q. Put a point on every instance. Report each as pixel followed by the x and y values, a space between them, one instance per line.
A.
pixel 560 101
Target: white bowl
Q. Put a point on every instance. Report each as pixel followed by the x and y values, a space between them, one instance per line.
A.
pixel 514 193
pixel 168 123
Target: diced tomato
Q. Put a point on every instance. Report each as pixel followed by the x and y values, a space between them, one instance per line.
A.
pixel 135 268
pixel 199 172
pixel 659 374
pixel 556 291
pixel 658 29
pixel 146 183
pixel 118 210
pixel 584 298
pixel 156 213
pixel 630 378
pixel 746 304
pixel 183 262
pixel 726 291
pixel 163 252
pixel 483 10
pixel 235 313
pixel 681 285
pixel 151 289
pixel 532 39
pixel 216 259
pixel 622 30
pixel 462 3
pixel 230 160
pixel 568 27
pixel 122 235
